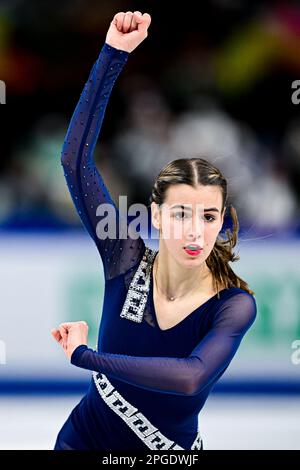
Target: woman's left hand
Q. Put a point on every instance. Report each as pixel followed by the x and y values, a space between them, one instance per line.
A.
pixel 70 335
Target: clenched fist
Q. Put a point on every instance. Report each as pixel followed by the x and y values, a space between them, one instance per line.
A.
pixel 128 30
pixel 70 335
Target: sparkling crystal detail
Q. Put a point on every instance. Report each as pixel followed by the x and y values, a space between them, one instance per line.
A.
pixel 137 294
pixel 138 423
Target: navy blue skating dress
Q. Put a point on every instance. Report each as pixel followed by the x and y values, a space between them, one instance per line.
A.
pixel 148 385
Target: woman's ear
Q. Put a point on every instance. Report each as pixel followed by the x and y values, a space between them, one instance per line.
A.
pixel 155 215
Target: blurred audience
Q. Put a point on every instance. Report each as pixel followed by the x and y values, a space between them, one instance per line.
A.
pixel 207 98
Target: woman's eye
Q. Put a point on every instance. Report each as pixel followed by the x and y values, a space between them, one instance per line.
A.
pixel 183 215
pixel 179 215
pixel 212 218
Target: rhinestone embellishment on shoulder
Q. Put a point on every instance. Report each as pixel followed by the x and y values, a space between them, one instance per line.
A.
pixel 137 294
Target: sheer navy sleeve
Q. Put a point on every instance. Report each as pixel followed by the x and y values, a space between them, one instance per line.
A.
pixel 87 188
pixel 181 376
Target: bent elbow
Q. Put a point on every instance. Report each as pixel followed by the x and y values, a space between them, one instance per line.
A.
pixel 195 381
pixel 193 387
pixel 65 159
pixel 68 162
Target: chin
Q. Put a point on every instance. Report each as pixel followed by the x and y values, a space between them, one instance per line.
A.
pixel 190 262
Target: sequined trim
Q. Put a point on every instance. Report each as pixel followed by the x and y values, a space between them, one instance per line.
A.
pixel 140 425
pixel 137 294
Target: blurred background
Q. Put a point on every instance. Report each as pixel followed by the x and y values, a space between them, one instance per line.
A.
pixel 217 83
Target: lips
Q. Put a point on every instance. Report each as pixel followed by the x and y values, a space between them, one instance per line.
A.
pixel 192 246
pixel 192 249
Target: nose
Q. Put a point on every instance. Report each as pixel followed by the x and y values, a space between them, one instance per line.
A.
pixel 195 230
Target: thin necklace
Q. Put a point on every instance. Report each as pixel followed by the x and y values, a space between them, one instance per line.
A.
pixel 168 297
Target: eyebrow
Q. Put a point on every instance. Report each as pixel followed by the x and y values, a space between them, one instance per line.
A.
pixel 181 206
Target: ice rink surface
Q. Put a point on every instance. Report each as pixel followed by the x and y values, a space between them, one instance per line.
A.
pixel 227 421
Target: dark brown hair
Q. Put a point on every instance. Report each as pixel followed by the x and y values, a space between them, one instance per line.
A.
pixel 195 171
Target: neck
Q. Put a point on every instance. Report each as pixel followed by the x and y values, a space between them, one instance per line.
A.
pixel 175 281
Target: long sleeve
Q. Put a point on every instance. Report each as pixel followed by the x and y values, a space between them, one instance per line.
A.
pixel 87 188
pixel 180 376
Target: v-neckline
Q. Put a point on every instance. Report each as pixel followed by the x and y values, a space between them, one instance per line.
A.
pixel 151 294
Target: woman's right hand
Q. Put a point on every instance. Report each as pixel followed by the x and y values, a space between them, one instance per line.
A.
pixel 70 335
pixel 128 30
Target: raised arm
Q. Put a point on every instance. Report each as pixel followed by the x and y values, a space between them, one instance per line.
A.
pixel 180 376
pixel 84 181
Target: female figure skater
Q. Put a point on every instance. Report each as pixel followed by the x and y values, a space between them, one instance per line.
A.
pixel 172 319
